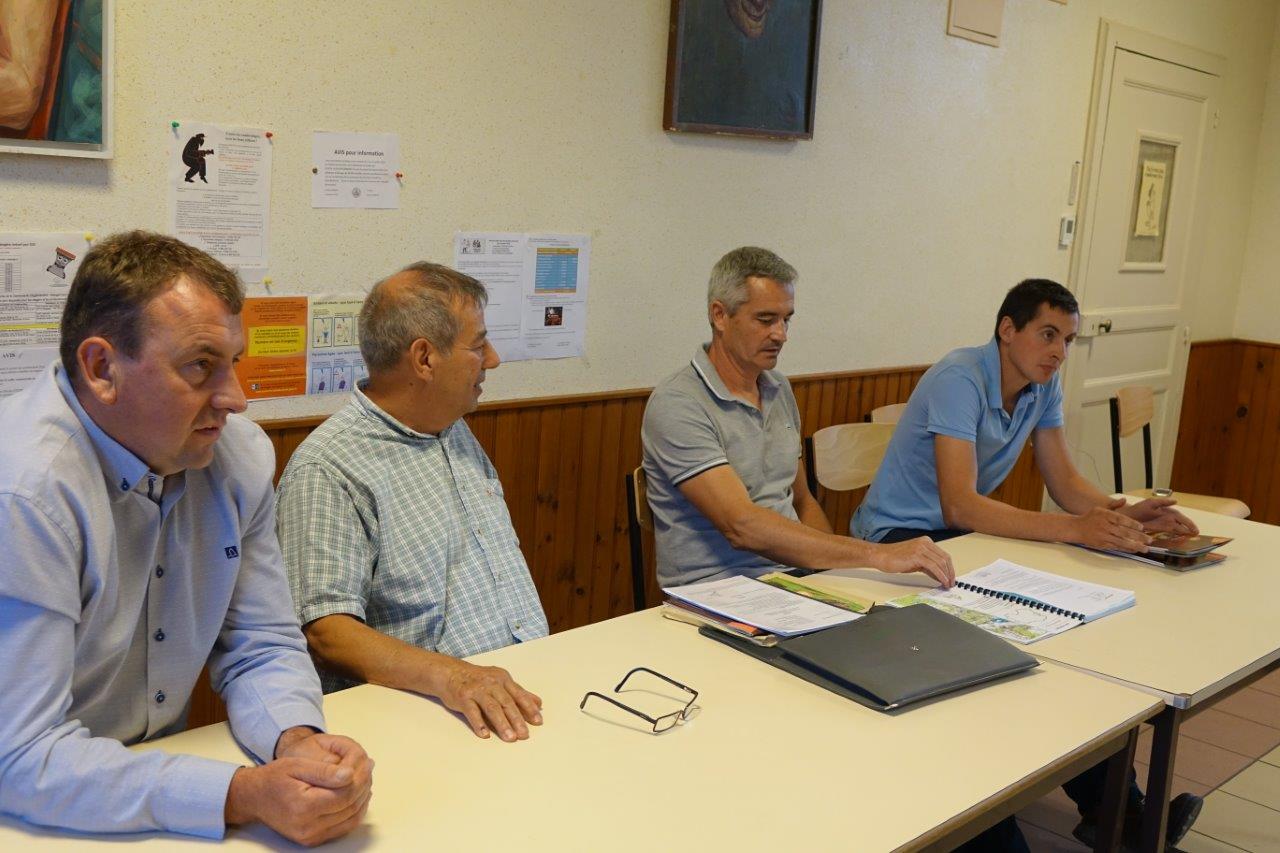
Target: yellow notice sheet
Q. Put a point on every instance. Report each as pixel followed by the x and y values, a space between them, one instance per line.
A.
pixel 275 347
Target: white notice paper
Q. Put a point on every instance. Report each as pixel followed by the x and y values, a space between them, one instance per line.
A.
pixel 220 191
pixel 1150 199
pixel 336 364
pixel 35 274
pixel 537 287
pixel 355 170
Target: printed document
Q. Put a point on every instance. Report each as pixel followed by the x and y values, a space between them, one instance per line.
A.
pixel 774 610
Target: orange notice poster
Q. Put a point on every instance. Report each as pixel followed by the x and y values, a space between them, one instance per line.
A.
pixel 274 363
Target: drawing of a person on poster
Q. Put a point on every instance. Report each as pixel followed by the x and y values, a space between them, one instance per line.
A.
pixel 193 155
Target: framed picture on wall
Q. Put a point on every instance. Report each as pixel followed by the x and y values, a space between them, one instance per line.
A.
pixel 745 67
pixel 56 77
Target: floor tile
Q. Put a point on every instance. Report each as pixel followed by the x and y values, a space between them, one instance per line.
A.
pixel 1181 784
pixel 1272 757
pixel 1197 843
pixel 1054 812
pixel 1258 783
pixel 1205 763
pixel 1269 683
pixel 1242 823
pixel 1252 704
pixel 1232 732
pixel 1043 841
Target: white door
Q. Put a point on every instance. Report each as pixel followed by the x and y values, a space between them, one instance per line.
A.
pixel 1136 265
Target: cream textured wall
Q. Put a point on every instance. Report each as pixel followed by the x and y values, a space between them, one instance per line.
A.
pixel 1258 315
pixel 935 181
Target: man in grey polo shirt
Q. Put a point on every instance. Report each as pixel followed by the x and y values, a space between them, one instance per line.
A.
pixel 722 449
pixel 400 550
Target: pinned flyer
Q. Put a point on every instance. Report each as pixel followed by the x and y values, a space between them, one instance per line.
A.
pixel 537 286
pixel 36 271
pixel 275 347
pixel 355 170
pixel 335 362
pixel 220 191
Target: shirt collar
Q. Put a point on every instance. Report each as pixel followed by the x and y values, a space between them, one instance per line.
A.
pixel 373 410
pixel 701 362
pixel 124 472
pixel 991 369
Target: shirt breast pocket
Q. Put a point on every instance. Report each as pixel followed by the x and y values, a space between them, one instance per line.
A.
pixel 489 506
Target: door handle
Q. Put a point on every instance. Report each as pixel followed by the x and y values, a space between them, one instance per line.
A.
pixel 1104 326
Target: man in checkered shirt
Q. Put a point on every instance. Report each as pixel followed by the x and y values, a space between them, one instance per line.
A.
pixel 401 555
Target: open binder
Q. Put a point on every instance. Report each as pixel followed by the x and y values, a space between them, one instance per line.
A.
pixel 892 657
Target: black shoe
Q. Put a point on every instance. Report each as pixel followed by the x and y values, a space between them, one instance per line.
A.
pixel 1183 811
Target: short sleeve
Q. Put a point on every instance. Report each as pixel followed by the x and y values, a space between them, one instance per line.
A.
pixel 1052 418
pixel 955 403
pixel 327 552
pixel 679 438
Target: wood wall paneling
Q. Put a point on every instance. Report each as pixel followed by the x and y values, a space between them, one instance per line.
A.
pixel 1230 425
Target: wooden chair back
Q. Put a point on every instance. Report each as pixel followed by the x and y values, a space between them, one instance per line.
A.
pixel 889 414
pixel 847 456
pixel 1136 406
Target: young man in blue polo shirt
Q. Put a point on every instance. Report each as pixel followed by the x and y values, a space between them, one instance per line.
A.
pixel 960 435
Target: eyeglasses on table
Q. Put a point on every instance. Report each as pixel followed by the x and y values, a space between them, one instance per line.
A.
pixel 659 724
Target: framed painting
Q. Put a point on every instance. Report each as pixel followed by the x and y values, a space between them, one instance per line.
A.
pixel 56 77
pixel 745 67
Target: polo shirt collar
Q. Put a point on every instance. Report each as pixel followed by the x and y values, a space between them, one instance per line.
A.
pixel 123 471
pixel 373 410
pixel 991 369
pixel 701 362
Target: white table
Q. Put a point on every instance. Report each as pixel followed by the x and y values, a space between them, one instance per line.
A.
pixel 771 762
pixel 1190 636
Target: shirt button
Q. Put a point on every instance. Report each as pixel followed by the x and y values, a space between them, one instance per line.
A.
pixel 159 635
pixel 159 697
pixel 159 571
pixel 517 626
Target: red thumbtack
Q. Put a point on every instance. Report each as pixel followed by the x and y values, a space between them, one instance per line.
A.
pixel 399 174
pixel 269 134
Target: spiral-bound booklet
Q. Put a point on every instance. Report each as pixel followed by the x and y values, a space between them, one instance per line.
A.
pixel 1022 604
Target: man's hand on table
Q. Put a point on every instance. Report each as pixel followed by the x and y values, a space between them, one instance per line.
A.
pixel 1158 514
pixel 1110 529
pixel 317 788
pixel 487 697
pixel 915 555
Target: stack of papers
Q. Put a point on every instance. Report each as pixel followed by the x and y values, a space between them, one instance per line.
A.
pixel 754 604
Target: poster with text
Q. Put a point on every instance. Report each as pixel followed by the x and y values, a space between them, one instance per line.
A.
pixel 274 363
pixel 220 191
pixel 537 285
pixel 36 271
pixel 355 170
pixel 335 362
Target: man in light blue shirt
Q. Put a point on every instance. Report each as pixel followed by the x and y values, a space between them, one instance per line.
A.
pixel 138 545
pixel 399 547
pixel 964 428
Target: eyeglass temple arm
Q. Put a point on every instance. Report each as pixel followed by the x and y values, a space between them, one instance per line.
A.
pixel 671 681
pixel 615 702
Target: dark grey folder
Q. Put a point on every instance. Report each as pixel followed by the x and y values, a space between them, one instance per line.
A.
pixel 892 657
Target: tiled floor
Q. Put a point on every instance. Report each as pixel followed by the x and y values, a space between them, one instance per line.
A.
pixel 1229 754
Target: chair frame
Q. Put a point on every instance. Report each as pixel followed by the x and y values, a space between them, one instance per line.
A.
pixel 1115 447
pixel 636 492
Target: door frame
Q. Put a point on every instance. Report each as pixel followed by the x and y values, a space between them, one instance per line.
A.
pixel 1111 37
